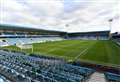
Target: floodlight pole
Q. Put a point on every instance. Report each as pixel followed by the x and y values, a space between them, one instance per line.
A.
pixel 32 48
pixel 110 26
pixel 67 36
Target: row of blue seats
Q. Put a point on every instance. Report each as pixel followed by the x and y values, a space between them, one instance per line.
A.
pixel 24 68
pixel 3 79
pixel 111 77
pixel 18 41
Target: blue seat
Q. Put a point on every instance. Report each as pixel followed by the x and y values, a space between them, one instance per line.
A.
pixel 111 77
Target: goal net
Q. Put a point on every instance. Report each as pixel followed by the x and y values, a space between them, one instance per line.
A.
pixel 25 46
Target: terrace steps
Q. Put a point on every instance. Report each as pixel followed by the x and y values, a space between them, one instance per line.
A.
pixel 97 77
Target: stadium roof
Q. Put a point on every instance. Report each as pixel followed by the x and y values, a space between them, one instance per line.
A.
pixel 101 33
pixel 19 28
pixel 105 31
pixel 62 15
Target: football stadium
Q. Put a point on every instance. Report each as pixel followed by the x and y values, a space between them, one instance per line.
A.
pixel 59 41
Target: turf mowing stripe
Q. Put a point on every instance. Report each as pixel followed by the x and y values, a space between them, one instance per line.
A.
pixel 102 51
pixel 85 50
pixel 62 47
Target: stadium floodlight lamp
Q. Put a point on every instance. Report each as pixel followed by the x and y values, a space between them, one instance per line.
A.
pixel 110 26
pixel 110 23
pixel 67 25
pixel 110 20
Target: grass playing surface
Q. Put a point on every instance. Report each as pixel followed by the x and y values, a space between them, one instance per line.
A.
pixel 101 52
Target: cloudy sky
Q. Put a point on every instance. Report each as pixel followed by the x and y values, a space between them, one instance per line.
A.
pixel 63 15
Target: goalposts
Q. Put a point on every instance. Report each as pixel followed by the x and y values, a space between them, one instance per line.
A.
pixel 25 46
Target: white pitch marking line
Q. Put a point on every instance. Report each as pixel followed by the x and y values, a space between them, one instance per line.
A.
pixel 83 51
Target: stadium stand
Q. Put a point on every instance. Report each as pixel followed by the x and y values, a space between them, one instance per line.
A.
pixel 15 41
pixel 100 35
pixel 3 79
pixel 12 35
pixel 111 77
pixel 19 67
pixel 116 37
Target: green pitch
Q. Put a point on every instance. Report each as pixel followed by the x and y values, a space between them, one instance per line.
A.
pixel 101 52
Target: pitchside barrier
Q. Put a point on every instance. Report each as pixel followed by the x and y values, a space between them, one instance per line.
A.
pixel 115 41
pixel 98 67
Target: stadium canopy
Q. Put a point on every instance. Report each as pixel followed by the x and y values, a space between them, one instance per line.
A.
pixel 25 29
